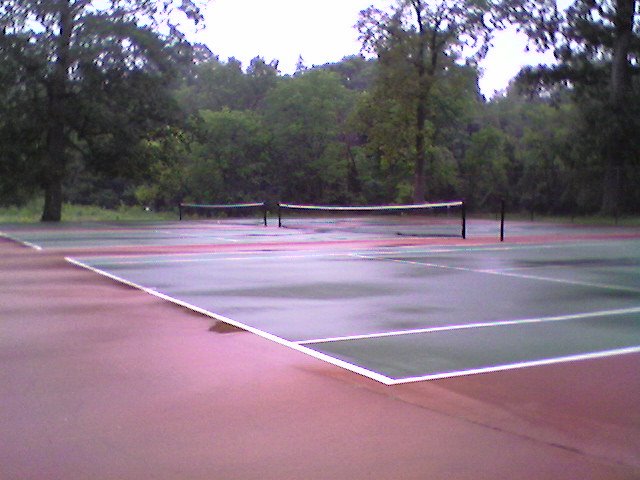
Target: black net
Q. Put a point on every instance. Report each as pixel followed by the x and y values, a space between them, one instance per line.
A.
pixel 446 219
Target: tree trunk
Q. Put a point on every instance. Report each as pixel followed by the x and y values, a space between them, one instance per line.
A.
pixel 56 140
pixel 421 108
pixel 52 211
pixel 620 85
pixel 418 176
pixel 56 162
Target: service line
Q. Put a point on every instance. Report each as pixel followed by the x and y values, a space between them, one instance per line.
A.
pixel 501 323
pixel 514 366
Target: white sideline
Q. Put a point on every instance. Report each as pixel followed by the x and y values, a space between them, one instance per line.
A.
pixel 17 240
pixel 300 348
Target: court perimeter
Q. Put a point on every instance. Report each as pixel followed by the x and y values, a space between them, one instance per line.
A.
pixel 319 355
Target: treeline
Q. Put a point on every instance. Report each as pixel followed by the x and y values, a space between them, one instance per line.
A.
pixel 113 112
pixel 321 136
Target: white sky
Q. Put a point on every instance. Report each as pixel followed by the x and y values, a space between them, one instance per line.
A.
pixel 324 32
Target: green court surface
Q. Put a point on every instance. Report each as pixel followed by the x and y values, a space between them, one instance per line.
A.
pixel 404 314
pixel 391 311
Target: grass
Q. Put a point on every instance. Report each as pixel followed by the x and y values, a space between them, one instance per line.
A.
pixel 32 211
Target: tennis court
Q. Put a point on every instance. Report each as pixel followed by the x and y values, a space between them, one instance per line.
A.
pixel 319 350
pixel 394 312
pixel 407 314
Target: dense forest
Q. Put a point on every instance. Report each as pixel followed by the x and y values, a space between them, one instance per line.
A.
pixel 110 105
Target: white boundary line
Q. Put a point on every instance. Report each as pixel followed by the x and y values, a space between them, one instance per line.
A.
pixel 514 366
pixel 300 348
pixel 420 249
pixel 22 242
pixel 620 288
pixel 501 273
pixel 502 323
pixel 216 257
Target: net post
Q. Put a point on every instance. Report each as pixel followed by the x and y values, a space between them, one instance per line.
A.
pixel 502 211
pixel 279 216
pixel 464 221
pixel 180 211
pixel 264 212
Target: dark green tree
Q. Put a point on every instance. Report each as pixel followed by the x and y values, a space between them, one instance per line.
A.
pixel 229 158
pixel 100 71
pixel 416 43
pixel 21 121
pixel 356 72
pixel 386 123
pixel 306 116
pixel 215 85
pixel 597 45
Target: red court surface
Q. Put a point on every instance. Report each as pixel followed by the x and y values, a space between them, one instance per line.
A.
pixel 103 381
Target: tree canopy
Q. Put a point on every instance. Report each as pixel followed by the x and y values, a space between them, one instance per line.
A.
pixel 93 74
pixel 108 103
pixel 597 45
pixel 418 42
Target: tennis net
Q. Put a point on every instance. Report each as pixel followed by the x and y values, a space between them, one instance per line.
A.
pixel 232 210
pixel 424 219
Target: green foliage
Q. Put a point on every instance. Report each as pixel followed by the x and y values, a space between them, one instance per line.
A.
pixel 167 155
pixel 355 72
pixel 418 43
pixel 229 158
pixel 537 143
pixel 484 168
pixel 145 126
pixel 597 44
pixel 387 121
pixel 306 116
pixel 215 85
pixel 93 78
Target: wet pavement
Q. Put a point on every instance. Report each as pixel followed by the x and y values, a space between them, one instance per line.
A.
pixel 383 310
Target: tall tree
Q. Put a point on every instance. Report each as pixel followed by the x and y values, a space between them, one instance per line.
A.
pixel 306 115
pixel 385 119
pixel 416 43
pixel 230 158
pixel 21 118
pixel 597 45
pixel 86 55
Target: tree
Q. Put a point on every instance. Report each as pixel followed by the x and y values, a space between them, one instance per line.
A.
pixel 306 115
pixel 168 156
pixel 229 158
pixel 597 45
pixel 355 71
pixel 416 43
pixel 21 120
pixel 102 70
pixel 484 169
pixel 385 120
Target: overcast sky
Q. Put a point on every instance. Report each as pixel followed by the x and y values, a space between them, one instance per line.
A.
pixel 322 32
